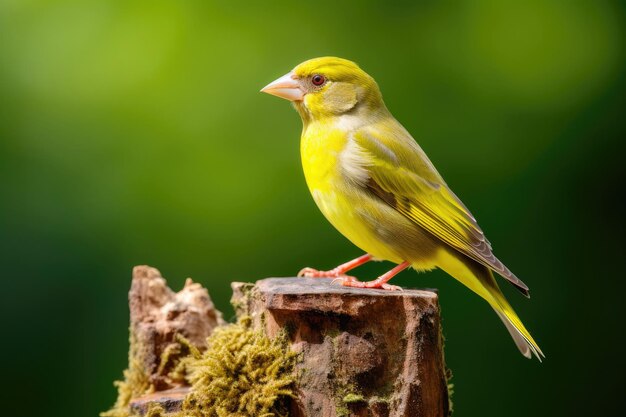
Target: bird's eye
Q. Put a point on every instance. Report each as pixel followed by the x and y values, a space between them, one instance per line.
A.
pixel 318 80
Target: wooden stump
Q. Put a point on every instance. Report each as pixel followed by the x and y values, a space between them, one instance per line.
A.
pixel 157 314
pixel 362 352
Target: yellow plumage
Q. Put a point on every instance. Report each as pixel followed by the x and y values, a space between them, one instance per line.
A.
pixel 374 183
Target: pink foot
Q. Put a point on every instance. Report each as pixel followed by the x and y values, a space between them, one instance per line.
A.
pixel 391 287
pixel 348 281
pixel 314 273
pixel 335 272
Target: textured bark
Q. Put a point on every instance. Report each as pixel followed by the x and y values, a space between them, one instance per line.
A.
pixel 363 352
pixel 157 314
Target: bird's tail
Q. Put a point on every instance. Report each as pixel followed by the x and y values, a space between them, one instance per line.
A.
pixel 522 338
pixel 480 279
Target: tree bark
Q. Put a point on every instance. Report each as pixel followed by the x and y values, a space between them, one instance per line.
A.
pixel 157 314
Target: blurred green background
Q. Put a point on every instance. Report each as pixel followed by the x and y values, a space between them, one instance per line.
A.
pixel 134 133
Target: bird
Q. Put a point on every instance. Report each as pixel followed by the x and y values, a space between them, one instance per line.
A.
pixel 376 186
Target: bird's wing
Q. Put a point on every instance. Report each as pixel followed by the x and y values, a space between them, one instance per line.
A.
pixel 401 174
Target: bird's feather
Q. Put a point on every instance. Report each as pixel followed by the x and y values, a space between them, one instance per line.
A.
pixel 413 187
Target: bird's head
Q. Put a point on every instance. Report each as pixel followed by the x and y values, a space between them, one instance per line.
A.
pixel 327 87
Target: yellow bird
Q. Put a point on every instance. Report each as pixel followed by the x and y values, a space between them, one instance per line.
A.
pixel 375 185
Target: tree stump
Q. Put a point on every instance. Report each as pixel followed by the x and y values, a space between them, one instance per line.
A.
pixel 363 352
pixel 157 314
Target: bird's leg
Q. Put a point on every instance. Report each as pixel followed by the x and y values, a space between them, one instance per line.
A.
pixel 336 272
pixel 380 282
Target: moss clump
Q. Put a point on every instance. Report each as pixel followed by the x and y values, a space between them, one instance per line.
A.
pixel 350 398
pixel 242 373
pixel 353 398
pixel 155 410
pixel 447 373
pixel 450 387
pixel 342 411
pixel 345 395
pixel 135 383
pixel 241 303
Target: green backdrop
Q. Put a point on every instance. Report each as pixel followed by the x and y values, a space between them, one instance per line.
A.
pixel 134 133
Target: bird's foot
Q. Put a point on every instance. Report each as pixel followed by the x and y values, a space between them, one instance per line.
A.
pixel 348 281
pixel 314 273
pixel 337 272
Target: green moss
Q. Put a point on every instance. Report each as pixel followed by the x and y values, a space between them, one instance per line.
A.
pixel 379 399
pixel 448 373
pixel 346 393
pixel 290 329
pixel 349 398
pixel 342 411
pixel 242 373
pixel 353 398
pixel 450 387
pixel 135 383
pixel 241 304
pixel 171 357
pixel 332 333
pixel 155 410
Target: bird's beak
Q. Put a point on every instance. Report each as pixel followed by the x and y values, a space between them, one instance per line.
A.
pixel 286 87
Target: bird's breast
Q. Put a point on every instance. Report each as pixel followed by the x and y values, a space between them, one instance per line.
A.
pixel 323 161
pixel 336 172
pixel 320 149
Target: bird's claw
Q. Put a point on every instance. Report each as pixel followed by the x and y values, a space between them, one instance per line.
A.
pixel 343 280
pixel 306 272
pixel 348 281
pixel 391 287
pixel 314 273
